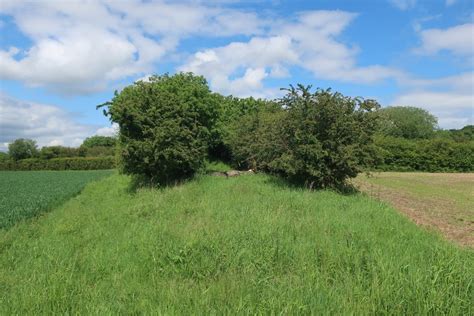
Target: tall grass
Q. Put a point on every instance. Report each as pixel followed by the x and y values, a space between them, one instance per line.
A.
pixel 237 245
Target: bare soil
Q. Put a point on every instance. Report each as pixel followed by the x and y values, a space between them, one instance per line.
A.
pixel 447 214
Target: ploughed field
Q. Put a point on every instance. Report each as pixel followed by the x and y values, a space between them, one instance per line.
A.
pixel 25 194
pixel 443 202
pixel 214 245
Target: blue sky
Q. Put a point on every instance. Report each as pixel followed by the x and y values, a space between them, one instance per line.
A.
pixel 59 59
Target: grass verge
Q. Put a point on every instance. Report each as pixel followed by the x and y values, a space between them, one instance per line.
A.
pixel 237 245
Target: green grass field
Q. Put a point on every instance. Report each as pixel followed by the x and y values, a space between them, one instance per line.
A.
pixel 240 245
pixel 24 194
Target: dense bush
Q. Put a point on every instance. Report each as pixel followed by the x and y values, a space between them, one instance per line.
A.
pixel 165 126
pixel 22 148
pixel 78 163
pixel 231 111
pixel 319 139
pixel 256 139
pixel 434 155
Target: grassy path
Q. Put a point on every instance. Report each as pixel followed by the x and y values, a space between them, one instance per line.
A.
pixel 239 245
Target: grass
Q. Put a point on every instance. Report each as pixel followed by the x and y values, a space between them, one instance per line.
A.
pixel 24 194
pixel 239 245
pixel 441 200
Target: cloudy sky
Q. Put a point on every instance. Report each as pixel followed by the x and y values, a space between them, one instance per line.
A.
pixel 59 59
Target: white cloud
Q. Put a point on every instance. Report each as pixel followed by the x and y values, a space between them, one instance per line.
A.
pixel 47 124
pixel 458 39
pixel 450 2
pixel 309 42
pixel 81 46
pixel 258 58
pixel 451 98
pixel 403 4
pixel 108 130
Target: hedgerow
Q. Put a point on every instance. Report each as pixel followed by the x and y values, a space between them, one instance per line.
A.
pixel 430 155
pixel 76 163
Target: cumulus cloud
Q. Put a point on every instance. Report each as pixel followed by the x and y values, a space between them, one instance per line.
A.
pixel 258 58
pixel 309 42
pixel 47 124
pixel 81 46
pixel 458 39
pixel 451 98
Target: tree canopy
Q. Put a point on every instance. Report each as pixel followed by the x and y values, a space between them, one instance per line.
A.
pixel 408 122
pixel 22 148
pixel 99 141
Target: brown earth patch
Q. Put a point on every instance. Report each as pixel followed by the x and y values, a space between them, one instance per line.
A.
pixel 427 212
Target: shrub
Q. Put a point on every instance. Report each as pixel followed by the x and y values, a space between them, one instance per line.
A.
pixel 256 139
pixel 329 137
pixel 164 126
pixel 318 139
pixel 78 163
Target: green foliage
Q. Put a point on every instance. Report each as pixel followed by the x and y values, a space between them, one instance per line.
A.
pixel 165 126
pixel 434 155
pixel 217 246
pixel 319 139
pixel 257 138
pixel 49 152
pixel 465 134
pixel 27 194
pixel 408 122
pixel 76 163
pixel 4 156
pixel 99 141
pixel 22 148
pixel 229 110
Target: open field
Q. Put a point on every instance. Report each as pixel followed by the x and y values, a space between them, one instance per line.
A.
pixel 214 245
pixel 24 194
pixel 443 201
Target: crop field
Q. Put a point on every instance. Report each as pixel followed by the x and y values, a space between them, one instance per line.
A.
pixel 440 201
pixel 243 245
pixel 24 194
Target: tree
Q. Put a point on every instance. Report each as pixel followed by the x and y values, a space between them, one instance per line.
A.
pixel 99 141
pixel 164 126
pixel 22 148
pixel 408 122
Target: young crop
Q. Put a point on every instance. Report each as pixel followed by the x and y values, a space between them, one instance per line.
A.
pixel 24 194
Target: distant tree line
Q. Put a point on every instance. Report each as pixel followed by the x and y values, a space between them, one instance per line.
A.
pixel 409 140
pixel 96 152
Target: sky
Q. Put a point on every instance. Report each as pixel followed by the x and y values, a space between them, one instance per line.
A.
pixel 59 59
